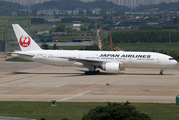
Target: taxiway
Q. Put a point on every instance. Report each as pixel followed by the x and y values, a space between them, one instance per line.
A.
pixel 31 81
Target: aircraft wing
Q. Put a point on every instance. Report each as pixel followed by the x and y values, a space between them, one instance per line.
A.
pixel 87 61
pixel 82 60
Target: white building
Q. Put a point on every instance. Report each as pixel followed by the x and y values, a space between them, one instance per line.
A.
pixel 76 25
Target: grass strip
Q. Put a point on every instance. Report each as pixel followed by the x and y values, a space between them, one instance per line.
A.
pixel 75 110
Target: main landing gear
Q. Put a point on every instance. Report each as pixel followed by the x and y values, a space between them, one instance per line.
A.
pixel 94 72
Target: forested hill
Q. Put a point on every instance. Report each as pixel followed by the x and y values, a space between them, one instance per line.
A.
pixel 73 4
pixel 10 6
pixel 162 6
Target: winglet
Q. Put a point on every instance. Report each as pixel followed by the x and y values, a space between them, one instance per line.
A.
pixel 25 42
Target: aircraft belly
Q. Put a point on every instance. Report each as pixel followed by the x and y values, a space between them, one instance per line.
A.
pixel 140 64
pixel 61 62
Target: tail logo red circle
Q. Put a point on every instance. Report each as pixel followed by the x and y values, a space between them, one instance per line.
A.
pixel 24 41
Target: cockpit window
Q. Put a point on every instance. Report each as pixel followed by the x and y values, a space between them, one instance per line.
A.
pixel 171 59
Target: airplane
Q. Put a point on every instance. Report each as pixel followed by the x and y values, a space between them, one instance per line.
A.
pixel 109 61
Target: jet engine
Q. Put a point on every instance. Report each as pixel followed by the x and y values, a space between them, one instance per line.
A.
pixel 111 67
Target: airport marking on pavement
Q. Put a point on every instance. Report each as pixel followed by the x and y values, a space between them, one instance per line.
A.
pixel 118 74
pixel 2 74
pixel 13 85
pixel 41 78
pixel 80 94
pixel 9 86
pixel 174 92
pixel 4 87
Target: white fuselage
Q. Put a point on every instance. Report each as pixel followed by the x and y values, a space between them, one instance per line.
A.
pixel 125 59
pixel 109 61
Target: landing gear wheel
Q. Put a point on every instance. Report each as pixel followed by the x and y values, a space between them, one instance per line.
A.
pixel 98 72
pixel 92 72
pixel 161 72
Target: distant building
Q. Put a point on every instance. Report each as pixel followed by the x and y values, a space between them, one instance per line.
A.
pixel 69 12
pixel 173 16
pixel 76 25
pixel 75 12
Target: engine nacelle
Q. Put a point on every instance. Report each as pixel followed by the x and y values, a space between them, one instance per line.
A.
pixel 111 67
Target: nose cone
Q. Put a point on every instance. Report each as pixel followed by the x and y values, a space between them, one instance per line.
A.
pixel 175 62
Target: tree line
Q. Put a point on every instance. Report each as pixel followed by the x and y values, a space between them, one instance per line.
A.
pixel 10 6
pixel 73 5
pixel 7 7
pixel 162 6
pixel 102 4
pixel 145 36
pixel 116 111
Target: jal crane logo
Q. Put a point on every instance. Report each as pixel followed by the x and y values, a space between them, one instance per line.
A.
pixel 24 41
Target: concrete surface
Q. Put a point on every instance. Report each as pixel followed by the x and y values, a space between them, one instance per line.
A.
pixel 39 82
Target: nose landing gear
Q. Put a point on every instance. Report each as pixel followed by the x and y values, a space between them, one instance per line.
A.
pixel 161 72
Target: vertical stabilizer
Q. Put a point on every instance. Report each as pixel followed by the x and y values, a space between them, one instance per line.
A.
pixel 25 42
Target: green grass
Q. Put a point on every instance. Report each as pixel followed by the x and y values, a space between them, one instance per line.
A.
pixel 81 33
pixel 66 39
pixel 41 27
pixel 135 46
pixel 69 47
pixel 157 47
pixel 69 39
pixel 149 46
pixel 75 111
pixel 159 111
pixel 17 59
